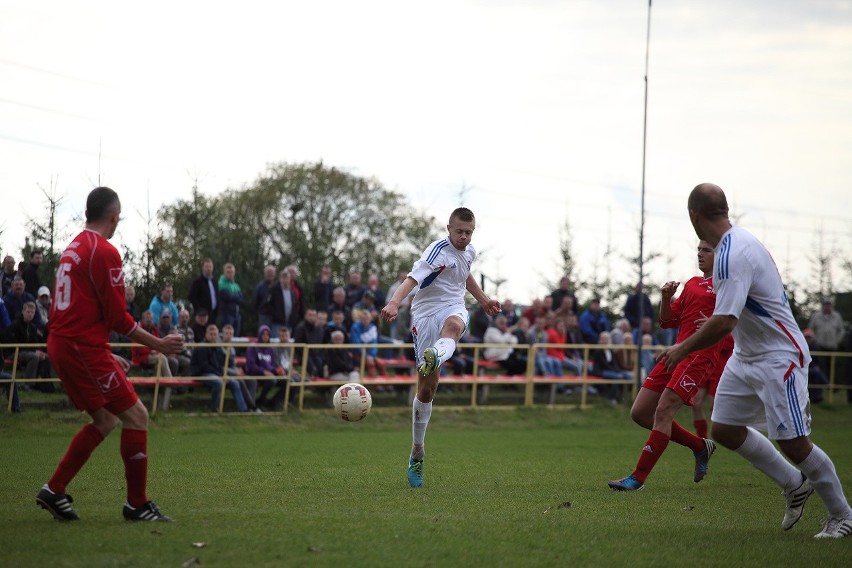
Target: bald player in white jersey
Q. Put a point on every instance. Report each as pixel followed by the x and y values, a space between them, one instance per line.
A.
pixel 438 318
pixel 764 383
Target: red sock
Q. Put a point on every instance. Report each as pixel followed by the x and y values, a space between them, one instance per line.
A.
pixel 134 452
pixel 654 448
pixel 700 428
pixel 76 456
pixel 684 437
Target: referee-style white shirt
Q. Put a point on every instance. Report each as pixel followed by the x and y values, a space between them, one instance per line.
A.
pixel 749 287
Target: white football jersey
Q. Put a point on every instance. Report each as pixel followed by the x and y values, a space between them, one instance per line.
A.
pixel 749 287
pixel 441 274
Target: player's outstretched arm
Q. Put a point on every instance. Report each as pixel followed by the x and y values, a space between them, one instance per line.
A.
pixel 171 344
pixel 391 309
pixel 491 307
pixel 712 332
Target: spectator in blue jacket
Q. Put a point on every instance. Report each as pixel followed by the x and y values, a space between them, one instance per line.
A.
pixel 631 307
pixel 365 331
pixel 593 321
pixel 15 300
pixel 164 302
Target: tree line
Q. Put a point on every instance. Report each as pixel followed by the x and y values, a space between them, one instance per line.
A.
pixel 314 215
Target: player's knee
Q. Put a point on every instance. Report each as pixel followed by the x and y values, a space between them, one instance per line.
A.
pixel 136 417
pixel 667 407
pixel 452 327
pixel 426 394
pixel 105 422
pixel 797 449
pixel 731 437
pixel 641 417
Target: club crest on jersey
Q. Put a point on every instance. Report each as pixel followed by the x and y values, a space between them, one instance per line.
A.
pixel 116 276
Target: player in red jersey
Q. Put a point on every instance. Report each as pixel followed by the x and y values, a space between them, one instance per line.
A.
pixel 88 304
pixel 726 349
pixel 663 392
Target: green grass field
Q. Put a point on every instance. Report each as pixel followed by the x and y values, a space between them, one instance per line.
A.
pixel 522 487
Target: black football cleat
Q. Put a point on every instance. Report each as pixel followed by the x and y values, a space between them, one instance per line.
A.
pixel 57 504
pixel 147 512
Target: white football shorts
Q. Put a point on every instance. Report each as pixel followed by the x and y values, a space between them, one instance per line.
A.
pixel 426 326
pixel 770 395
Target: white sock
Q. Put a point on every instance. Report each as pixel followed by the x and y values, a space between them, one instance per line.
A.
pixel 446 347
pixel 823 477
pixel 420 413
pixel 763 455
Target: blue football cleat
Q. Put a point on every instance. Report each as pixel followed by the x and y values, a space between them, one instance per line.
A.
pixel 629 483
pixel 415 472
pixel 702 459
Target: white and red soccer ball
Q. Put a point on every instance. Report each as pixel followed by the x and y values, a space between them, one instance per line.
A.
pixel 352 402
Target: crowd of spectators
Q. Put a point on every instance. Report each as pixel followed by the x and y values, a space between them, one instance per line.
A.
pixel 348 313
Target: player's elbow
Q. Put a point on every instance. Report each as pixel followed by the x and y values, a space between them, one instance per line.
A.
pixel 727 324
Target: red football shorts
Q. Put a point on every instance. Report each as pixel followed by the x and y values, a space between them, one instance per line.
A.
pixel 713 378
pixel 90 375
pixel 688 376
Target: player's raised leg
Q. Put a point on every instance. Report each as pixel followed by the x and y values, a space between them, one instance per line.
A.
pixel 431 360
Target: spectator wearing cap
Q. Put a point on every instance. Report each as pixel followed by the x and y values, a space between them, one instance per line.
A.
pixel 367 303
pixel 199 325
pixel 379 297
pixel 43 303
pixel 165 325
pixel 593 321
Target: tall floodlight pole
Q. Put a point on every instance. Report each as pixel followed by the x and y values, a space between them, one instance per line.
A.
pixel 641 287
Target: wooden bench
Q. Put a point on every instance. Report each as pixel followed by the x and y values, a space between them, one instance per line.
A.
pixel 167 384
pixel 482 382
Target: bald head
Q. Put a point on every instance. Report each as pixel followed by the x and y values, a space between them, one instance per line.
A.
pixel 708 200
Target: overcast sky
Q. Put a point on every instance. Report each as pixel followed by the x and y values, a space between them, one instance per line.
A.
pixel 531 109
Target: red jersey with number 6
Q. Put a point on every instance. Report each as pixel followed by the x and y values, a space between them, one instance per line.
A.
pixel 88 295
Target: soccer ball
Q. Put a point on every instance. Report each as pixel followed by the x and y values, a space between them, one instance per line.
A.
pixel 352 402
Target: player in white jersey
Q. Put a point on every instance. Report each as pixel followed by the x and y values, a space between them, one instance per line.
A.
pixel 438 318
pixel 765 381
